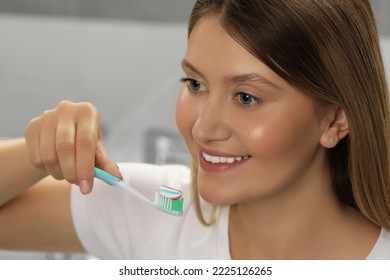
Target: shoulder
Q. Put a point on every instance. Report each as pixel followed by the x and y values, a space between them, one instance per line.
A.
pixel 381 250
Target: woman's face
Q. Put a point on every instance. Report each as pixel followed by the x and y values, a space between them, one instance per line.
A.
pixel 249 132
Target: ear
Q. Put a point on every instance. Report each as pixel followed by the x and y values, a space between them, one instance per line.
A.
pixel 337 128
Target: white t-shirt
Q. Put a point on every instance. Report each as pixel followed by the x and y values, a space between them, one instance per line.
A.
pixel 112 224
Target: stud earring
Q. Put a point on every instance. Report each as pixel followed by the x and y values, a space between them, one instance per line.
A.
pixel 331 139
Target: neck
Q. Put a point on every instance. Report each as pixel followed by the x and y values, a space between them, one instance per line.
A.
pixel 304 221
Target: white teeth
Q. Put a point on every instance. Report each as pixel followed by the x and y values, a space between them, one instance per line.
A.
pixel 216 159
pixel 230 160
pixel 207 157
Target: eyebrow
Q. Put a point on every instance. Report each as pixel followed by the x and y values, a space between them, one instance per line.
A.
pixel 251 77
pixel 186 64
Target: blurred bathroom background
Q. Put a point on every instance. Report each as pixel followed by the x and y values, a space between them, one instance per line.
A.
pixel 121 55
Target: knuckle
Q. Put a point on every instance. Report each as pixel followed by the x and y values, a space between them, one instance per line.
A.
pixel 64 104
pixel 46 114
pixel 90 109
pixel 36 160
pixel 32 127
pixel 49 158
pixel 31 124
pixel 84 140
pixel 65 146
pixel 65 107
pixel 87 106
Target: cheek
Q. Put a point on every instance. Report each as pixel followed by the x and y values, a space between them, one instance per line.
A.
pixel 181 119
pixel 185 118
pixel 271 137
pixel 282 132
pixel 281 146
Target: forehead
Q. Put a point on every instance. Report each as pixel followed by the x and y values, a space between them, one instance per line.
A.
pixel 210 47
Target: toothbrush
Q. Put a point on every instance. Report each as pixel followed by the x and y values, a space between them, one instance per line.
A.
pixel 167 200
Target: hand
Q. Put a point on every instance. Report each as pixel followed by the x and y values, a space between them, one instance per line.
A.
pixel 66 142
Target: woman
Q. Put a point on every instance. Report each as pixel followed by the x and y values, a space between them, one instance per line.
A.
pixel 284 110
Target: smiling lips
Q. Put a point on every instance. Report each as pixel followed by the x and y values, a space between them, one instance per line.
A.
pixel 213 163
pixel 217 159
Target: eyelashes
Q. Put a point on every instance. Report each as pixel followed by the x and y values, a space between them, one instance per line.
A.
pixel 243 98
pixel 193 85
pixel 246 99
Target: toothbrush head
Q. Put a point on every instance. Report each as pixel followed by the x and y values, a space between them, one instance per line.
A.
pixel 169 200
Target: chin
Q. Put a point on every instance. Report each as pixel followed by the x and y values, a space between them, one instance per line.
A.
pixel 217 195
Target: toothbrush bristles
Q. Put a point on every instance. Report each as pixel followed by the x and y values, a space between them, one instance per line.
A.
pixel 169 205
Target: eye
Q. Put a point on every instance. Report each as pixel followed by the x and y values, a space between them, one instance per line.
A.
pixel 247 99
pixel 193 85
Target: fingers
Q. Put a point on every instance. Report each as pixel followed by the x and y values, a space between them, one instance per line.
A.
pixel 33 143
pixel 100 160
pixel 40 135
pixel 87 132
pixel 47 146
pixel 104 162
pixel 66 142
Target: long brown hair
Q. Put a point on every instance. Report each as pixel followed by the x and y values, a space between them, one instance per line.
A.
pixel 328 49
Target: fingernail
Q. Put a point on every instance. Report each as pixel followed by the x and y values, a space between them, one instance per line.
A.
pixel 84 187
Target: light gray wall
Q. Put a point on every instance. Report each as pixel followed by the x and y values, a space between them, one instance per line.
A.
pixel 144 10
pixel 382 13
pixel 125 61
pixel 129 70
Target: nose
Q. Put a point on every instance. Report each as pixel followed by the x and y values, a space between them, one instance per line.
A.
pixel 212 123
